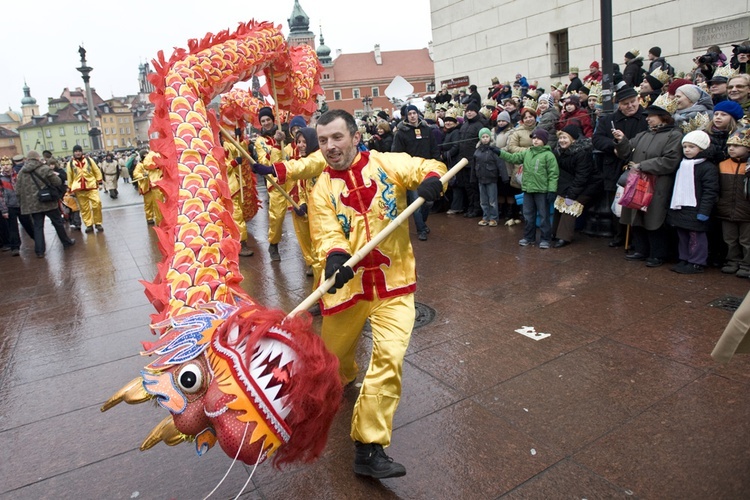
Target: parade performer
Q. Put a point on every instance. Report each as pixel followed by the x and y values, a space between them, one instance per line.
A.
pixel 148 174
pixel 111 172
pixel 228 370
pixel 84 179
pixel 268 151
pixel 355 198
pixel 306 142
pixel 234 179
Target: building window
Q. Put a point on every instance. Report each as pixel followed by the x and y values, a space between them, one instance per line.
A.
pixel 51 145
pixel 48 133
pixel 75 129
pixel 122 131
pixel 336 95
pixel 85 143
pixel 25 137
pixel 127 130
pixel 78 142
pixel 355 93
pixel 115 142
pixel 109 143
pixel 62 131
pixel 64 144
pixel 559 44
pixel 326 76
pixel 375 92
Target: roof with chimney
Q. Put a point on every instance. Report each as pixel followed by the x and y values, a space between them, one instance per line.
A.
pixel 363 67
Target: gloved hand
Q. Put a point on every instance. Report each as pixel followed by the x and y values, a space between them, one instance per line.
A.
pixel 430 189
pixel 302 210
pixel 702 217
pixel 335 262
pixel 238 160
pixel 569 202
pixel 263 169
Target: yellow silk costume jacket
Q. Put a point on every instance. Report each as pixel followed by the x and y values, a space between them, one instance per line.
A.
pixel 148 173
pixel 347 208
pixel 83 175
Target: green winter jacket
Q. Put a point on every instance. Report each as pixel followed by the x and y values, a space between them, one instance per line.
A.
pixel 540 171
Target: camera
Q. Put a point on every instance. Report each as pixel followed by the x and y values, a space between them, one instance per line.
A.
pixel 741 49
pixel 710 58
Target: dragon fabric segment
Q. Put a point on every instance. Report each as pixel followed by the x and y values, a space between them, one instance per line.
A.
pixel 227 369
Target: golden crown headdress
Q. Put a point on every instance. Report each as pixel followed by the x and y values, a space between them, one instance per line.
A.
pixel 5 160
pixel 660 75
pixel 516 92
pixel 452 112
pixel 727 72
pixel 668 104
pixel 635 53
pixel 595 90
pixel 490 102
pixel 530 103
pixel 698 122
pixel 740 138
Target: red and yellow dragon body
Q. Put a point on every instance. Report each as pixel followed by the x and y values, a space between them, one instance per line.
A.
pixel 227 369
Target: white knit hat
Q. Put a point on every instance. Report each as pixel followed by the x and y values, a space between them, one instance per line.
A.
pixel 692 92
pixel 699 138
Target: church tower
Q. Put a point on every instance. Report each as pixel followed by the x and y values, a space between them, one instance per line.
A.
pixel 299 28
pixel 324 52
pixel 29 107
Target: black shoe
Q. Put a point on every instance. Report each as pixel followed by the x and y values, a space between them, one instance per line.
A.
pixel 615 243
pixel 422 236
pixel 69 243
pixel 89 229
pixel 654 262
pixel 679 266
pixel 635 256
pixel 690 269
pixel 273 251
pixel 560 243
pixel 371 460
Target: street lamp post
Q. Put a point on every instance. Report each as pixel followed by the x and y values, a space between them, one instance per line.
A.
pixel 94 132
pixel 367 102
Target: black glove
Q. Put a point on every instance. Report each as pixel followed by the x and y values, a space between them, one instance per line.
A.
pixel 263 169
pixel 335 262
pixel 302 210
pixel 551 197
pixel 238 160
pixel 430 189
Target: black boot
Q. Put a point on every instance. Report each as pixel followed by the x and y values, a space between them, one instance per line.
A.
pixel 371 460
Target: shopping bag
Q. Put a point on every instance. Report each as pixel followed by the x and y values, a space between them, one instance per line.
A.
pixel 616 207
pixel 639 190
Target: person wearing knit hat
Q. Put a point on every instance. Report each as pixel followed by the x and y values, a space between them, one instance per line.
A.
pixel 472 106
pixel 31 179
pixel 84 179
pixel 694 194
pixel 573 113
pixel 539 185
pixel 633 73
pixel 488 168
pixel 595 74
pixel 676 84
pixel 268 150
pixel 415 137
pixel 691 100
pixel 731 108
pixel 579 184
pixel 382 115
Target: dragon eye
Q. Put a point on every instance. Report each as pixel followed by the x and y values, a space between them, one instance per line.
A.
pixel 190 378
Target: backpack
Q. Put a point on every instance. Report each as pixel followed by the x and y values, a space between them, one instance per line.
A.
pixel 668 68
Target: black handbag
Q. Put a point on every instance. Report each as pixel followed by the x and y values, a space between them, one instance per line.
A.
pixel 47 193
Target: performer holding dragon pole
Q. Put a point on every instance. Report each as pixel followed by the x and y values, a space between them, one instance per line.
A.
pixel 355 198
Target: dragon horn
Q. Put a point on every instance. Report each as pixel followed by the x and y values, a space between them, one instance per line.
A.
pixel 165 431
pixel 132 393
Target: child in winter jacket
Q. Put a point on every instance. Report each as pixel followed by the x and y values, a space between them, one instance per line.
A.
pixel 733 207
pixel 488 168
pixel 539 185
pixel 696 189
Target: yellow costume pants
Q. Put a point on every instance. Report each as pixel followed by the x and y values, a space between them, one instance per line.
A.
pixel 277 205
pixel 151 207
pixel 392 321
pixel 239 217
pixel 302 230
pixel 90 206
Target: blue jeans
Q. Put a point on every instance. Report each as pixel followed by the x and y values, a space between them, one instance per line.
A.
pixel 420 216
pixel 533 203
pixel 488 201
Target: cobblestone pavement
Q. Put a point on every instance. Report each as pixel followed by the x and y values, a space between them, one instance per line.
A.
pixel 622 400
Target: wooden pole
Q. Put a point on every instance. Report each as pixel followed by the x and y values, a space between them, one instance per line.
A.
pixel 369 246
pixel 249 158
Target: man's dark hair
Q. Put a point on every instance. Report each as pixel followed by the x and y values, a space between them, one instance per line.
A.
pixel 333 114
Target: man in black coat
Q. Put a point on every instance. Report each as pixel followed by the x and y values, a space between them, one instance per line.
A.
pixel 469 136
pixel 631 120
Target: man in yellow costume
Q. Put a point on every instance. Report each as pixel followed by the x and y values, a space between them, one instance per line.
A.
pixel 84 179
pixel 357 196
pixel 268 151
pixel 233 162
pixel 147 174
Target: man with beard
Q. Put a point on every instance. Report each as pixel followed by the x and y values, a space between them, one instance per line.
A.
pixel 268 152
pixel 355 198
pixel 631 120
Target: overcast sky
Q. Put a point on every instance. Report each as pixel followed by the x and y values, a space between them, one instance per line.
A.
pixel 40 38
